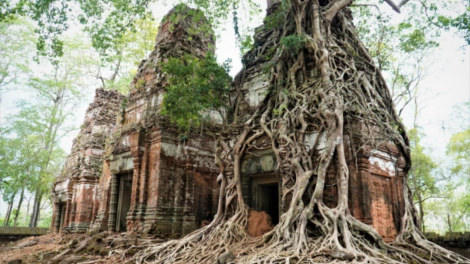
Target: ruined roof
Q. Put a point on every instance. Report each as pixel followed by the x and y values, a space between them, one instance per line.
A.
pixel 87 148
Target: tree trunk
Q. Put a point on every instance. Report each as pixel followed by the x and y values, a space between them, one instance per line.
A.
pixel 421 211
pixel 33 222
pixel 28 206
pixel 449 222
pixel 116 71
pixel 7 216
pixel 417 196
pixel 20 202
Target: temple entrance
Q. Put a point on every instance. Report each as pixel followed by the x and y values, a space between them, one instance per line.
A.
pixel 124 201
pixel 204 190
pixel 62 207
pixel 265 195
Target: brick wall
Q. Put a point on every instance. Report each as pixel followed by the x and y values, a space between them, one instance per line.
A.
pixel 76 188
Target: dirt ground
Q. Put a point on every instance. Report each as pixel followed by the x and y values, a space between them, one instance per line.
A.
pixel 26 254
pixel 43 249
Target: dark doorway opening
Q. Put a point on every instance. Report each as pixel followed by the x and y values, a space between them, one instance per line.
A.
pixel 265 196
pixel 269 200
pixel 62 216
pixel 124 201
pixel 203 199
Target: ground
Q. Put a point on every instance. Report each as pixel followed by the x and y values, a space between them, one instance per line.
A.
pixel 118 248
pixel 78 248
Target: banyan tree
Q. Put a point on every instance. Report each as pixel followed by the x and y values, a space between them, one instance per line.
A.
pixel 312 98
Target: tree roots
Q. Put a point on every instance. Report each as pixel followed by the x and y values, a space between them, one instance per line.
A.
pixel 321 79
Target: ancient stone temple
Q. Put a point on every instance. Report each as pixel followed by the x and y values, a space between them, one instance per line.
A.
pixel 149 179
pixel 376 173
pixel 75 192
pixel 152 180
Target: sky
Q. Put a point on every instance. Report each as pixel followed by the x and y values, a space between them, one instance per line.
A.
pixel 447 84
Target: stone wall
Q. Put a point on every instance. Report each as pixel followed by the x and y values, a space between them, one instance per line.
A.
pixel 10 234
pixel 458 242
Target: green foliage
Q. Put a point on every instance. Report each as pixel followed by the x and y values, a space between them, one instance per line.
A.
pixel 37 156
pixel 246 44
pixel 23 219
pixel 422 175
pixel 446 195
pixel 244 39
pixel 391 43
pixel 128 51
pixel 30 154
pixel 459 149
pixel 422 167
pixel 400 47
pixel 293 43
pixel 11 167
pixel 45 220
pixel 17 40
pixel 414 40
pixel 458 18
pixel 196 86
pixel 108 20
pixel 275 19
pixel 450 213
pixel 279 111
pixel 51 17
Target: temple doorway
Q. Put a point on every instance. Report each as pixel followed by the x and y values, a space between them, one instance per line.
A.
pixel 61 211
pixel 124 200
pixel 265 195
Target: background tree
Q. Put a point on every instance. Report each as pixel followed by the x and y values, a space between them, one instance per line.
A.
pixel 58 92
pixel 9 170
pixel 422 178
pixel 41 123
pixel 459 144
pixel 40 156
pixel 458 149
pixel 399 48
pixel 32 133
pixel 17 41
pixel 107 21
pixel 128 51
